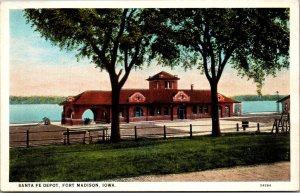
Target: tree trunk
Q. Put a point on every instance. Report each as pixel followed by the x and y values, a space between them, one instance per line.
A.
pixel 215 109
pixel 115 123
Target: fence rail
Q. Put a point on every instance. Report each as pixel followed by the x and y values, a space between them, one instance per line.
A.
pixel 88 135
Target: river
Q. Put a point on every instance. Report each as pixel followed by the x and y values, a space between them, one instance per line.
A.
pixel 23 113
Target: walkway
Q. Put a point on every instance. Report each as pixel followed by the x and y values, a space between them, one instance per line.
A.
pixel 279 171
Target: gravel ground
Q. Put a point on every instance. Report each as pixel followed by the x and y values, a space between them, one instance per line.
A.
pixel 279 171
pixel 46 134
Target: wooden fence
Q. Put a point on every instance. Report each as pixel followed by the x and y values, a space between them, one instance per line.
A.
pixel 100 134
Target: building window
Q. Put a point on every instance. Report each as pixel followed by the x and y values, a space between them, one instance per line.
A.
pixel 155 84
pixel 121 112
pixel 194 109
pixel 166 111
pixel 158 111
pixel 200 109
pixel 205 109
pixel 138 112
pixel 151 111
pixel 168 84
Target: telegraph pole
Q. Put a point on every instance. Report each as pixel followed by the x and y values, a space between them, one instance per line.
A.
pixel 277 92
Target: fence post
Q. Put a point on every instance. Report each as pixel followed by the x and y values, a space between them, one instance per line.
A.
pixel 27 138
pixel 165 134
pixel 191 131
pixel 84 138
pixel 103 135
pixel 258 127
pixel 68 136
pixel 135 133
pixel 237 127
pixel 277 126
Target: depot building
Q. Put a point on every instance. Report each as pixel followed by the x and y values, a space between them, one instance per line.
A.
pixel 161 101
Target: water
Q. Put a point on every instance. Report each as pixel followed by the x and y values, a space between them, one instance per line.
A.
pixel 36 112
pixel 260 106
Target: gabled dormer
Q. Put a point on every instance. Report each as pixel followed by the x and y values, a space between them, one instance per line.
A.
pixel 181 96
pixel 137 97
pixel 163 80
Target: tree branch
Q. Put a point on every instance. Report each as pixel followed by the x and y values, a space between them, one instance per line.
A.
pixel 220 60
pixel 119 74
pixel 132 62
pixel 210 51
pixel 227 56
pixel 197 48
pixel 203 53
pixel 102 57
pixel 117 40
pixel 206 69
pixel 107 38
pixel 126 58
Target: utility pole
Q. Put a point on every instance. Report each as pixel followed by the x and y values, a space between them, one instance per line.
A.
pixel 277 92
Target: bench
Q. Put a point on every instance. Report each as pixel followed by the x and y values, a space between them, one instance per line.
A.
pixel 68 133
pixel 102 130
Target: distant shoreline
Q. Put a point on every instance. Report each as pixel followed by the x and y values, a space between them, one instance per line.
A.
pixel 13 100
pixel 16 100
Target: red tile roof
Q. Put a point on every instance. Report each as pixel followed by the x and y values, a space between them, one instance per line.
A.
pixel 163 76
pixel 157 96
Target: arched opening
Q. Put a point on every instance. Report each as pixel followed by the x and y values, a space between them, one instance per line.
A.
pixel 181 112
pixel 227 111
pixel 220 111
pixel 138 112
pixel 69 113
pixel 88 114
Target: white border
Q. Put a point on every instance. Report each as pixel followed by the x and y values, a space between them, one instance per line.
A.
pixel 157 186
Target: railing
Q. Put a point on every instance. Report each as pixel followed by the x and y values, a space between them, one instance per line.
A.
pixel 100 134
pixel 164 131
pixel 64 136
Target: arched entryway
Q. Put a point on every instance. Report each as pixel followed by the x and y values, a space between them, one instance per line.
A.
pixel 101 115
pixel 181 112
pixel 88 115
pixel 220 111
pixel 227 111
pixel 138 112
pixel 69 113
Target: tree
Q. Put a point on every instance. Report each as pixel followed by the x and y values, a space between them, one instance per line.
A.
pixel 253 41
pixel 116 40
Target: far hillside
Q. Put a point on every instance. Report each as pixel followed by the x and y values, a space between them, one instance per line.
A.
pixel 36 99
pixel 257 98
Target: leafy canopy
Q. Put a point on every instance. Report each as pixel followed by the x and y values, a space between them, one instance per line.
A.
pixel 254 41
pixel 109 37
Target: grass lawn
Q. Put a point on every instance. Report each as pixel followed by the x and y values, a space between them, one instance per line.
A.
pixel 100 162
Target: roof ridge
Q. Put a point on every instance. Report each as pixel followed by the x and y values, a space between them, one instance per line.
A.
pixel 158 77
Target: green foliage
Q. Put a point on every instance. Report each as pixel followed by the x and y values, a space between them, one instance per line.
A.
pixel 109 37
pixel 116 40
pixel 257 97
pixel 96 162
pixel 254 41
pixel 36 100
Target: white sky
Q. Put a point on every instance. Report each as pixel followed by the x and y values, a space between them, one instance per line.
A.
pixel 38 68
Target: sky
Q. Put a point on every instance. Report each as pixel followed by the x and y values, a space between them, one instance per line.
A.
pixel 38 68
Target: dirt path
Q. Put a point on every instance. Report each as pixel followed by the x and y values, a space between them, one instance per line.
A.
pixel 279 171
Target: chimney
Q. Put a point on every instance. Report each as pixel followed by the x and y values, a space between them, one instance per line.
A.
pixel 192 87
